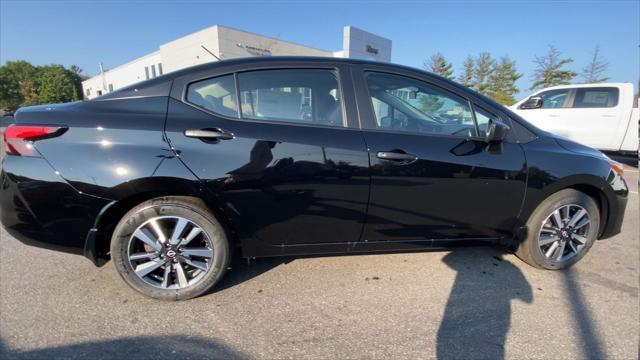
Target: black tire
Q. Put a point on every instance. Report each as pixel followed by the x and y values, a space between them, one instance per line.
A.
pixel 529 250
pixel 191 209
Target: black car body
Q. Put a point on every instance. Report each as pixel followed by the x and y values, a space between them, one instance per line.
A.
pixel 283 188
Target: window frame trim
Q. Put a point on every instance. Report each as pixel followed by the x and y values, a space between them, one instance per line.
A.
pixel 337 68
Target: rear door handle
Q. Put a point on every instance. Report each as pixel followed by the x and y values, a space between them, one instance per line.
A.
pixel 397 156
pixel 213 134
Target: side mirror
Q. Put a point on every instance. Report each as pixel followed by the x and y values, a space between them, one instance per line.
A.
pixel 534 102
pixel 496 131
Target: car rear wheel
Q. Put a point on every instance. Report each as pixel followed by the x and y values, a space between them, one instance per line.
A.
pixel 170 248
pixel 561 230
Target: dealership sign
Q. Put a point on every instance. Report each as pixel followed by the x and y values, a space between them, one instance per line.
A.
pixel 255 51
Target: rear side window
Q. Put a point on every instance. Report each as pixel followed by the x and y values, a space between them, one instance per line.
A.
pixel 596 97
pixel 305 96
pixel 554 98
pixel 216 94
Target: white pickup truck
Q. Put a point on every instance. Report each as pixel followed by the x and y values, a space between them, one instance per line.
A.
pixel 603 116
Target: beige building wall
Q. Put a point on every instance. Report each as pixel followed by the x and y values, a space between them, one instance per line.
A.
pixel 123 75
pixel 188 50
pixel 219 42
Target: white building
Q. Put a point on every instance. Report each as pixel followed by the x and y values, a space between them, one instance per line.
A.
pixel 219 42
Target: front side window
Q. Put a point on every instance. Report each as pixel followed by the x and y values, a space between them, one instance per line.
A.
pixel 596 97
pixel 554 98
pixel 216 94
pixel 405 104
pixel 307 96
pixel 482 118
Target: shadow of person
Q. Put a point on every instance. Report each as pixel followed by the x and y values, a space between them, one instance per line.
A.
pixel 477 316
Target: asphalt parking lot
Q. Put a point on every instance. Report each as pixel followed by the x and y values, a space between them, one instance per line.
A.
pixel 467 303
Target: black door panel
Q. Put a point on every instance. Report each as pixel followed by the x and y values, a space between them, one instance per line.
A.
pixel 433 176
pixel 280 184
pixel 456 188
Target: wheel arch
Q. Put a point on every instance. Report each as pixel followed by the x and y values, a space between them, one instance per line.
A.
pixel 98 239
pixel 600 198
pixel 592 185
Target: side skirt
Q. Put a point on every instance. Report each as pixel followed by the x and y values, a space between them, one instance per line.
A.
pixel 369 247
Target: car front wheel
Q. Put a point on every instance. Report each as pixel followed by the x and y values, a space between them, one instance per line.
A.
pixel 170 248
pixel 561 230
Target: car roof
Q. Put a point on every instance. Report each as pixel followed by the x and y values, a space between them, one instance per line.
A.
pixel 159 85
pixel 282 59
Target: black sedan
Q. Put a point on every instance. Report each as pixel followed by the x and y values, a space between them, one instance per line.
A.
pixel 296 156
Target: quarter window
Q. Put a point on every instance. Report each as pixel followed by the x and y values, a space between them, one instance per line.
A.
pixel 216 94
pixel 554 98
pixel 404 104
pixel 306 96
pixel 596 97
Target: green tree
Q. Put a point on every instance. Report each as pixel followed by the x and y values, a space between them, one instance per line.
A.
pixel 502 81
pixel 482 72
pixel 437 64
pixel 593 72
pixel 17 83
pixel 56 84
pixel 24 84
pixel 466 77
pixel 78 78
pixel 549 70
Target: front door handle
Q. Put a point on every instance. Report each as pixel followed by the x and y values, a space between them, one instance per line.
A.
pixel 212 134
pixel 397 156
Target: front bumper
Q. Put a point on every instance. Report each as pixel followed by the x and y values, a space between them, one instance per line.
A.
pixel 615 216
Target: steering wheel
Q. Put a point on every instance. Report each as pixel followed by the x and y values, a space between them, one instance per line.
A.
pixel 400 123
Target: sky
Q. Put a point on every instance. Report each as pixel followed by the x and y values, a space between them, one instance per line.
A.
pixel 115 32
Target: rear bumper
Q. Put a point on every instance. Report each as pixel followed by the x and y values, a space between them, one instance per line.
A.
pixel 41 209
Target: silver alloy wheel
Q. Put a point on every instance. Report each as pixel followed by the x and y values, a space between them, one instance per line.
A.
pixel 170 252
pixel 564 233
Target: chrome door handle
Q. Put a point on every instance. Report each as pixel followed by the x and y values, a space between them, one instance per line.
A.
pixel 216 134
pixel 397 156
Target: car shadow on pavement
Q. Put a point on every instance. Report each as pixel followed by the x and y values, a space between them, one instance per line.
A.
pixel 477 316
pixel 242 269
pixel 151 347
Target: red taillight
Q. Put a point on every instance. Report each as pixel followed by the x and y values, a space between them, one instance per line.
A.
pixel 18 138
